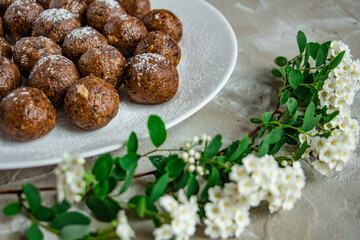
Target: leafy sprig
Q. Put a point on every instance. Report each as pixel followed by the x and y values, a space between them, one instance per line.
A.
pixel 295 114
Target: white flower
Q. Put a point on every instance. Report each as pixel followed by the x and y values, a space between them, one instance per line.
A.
pixel 123 229
pixel 163 233
pixel 212 230
pixel 70 178
pixel 214 193
pixel 168 203
pixel 237 173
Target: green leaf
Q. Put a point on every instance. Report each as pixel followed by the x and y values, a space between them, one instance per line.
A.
pixel 295 78
pixel 276 73
pixel 192 186
pixel 73 232
pixel 330 117
pixel 281 61
pixel 129 176
pixel 283 74
pixel 61 207
pixel 44 214
pixel 104 210
pixel 275 135
pixel 159 188
pixel 336 61
pixel 175 167
pixel 301 151
pixel 284 97
pixel 321 55
pixel 158 162
pixel 34 232
pixel 308 117
pixel 293 119
pixel 141 204
pixel 264 147
pixel 292 104
pixel 12 209
pixel 102 189
pixel 213 147
pixel 118 173
pixel 241 148
pixel 276 148
pixel 301 40
pixel 314 48
pixel 288 69
pixel 255 120
pixel 32 197
pixel 157 130
pixel 102 167
pixel 183 181
pixel 266 117
pixel 214 179
pixel 69 218
pixel 262 132
pixel 307 55
pixel 128 160
pixel 132 145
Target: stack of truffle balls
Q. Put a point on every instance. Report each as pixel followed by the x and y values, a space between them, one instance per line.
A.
pixel 76 54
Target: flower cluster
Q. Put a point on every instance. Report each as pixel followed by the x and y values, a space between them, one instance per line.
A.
pixel 258 179
pixel 70 178
pixel 183 214
pixel 192 157
pixel 338 93
pixel 123 229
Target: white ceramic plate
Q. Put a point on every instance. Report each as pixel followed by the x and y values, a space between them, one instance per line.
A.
pixel 209 52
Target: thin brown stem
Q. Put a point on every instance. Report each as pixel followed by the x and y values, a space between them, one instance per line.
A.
pixel 53 188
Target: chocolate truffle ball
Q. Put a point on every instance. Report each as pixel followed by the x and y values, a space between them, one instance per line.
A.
pixel 124 32
pixel 165 21
pixel 76 7
pixel 4 4
pixel 27 51
pixel 136 8
pixel 105 62
pixel 80 40
pixel 5 48
pixel 44 3
pixel 101 11
pixel 10 77
pixel 19 18
pixel 27 114
pixel 91 103
pixel 160 43
pixel 55 24
pixel 151 79
pixel 54 74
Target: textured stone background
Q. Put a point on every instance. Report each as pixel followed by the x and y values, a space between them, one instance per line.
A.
pixel 330 207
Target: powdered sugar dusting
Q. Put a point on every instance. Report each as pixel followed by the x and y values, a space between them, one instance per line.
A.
pixel 55 15
pixel 147 62
pixel 21 3
pixel 83 33
pixel 52 61
pixel 110 3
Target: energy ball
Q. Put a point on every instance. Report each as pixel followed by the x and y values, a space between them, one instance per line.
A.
pixel 160 43
pixel 124 32
pixel 80 40
pixel 5 48
pixel 27 114
pixel 101 11
pixel 165 21
pixel 136 8
pixel 105 62
pixel 10 77
pixel 20 17
pixel 91 103
pixel 1 28
pixel 76 7
pixel 4 4
pixel 55 24
pixel 54 75
pixel 151 79
pixel 27 51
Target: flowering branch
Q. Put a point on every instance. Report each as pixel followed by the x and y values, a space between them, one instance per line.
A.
pixel 312 114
